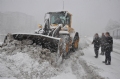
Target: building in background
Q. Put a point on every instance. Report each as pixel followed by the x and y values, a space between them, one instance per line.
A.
pixel 114 28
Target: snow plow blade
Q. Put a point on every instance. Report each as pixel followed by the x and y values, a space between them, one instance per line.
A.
pixel 48 42
pixel 51 43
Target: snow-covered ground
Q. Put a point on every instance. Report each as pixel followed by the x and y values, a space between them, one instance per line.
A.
pixel 78 65
pixel 108 71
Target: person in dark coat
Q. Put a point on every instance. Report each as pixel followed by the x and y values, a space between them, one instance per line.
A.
pixel 96 42
pixel 108 49
pixel 102 41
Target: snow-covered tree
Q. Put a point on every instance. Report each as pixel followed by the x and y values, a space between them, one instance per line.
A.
pixel 112 25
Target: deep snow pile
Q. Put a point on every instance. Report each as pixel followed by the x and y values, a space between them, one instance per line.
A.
pixel 21 60
pixel 11 47
pixel 22 66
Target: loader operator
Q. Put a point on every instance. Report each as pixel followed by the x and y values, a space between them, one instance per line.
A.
pixel 58 21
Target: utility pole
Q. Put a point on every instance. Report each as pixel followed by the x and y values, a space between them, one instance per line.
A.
pixel 63 5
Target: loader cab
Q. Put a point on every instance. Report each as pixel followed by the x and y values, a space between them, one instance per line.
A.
pixel 55 18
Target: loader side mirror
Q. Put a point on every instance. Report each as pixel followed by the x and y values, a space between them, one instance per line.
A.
pixel 40 26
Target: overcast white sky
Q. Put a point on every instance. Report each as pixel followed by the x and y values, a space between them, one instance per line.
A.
pixel 89 16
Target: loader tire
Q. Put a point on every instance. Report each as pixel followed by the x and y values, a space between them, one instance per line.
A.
pixel 76 44
pixel 67 47
pixel 76 41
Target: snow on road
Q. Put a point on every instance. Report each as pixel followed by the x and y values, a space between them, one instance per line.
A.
pixel 31 62
pixel 78 65
pixel 107 71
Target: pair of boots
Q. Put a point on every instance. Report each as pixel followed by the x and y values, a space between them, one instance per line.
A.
pixel 109 63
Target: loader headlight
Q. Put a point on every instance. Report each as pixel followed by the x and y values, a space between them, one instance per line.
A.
pixel 39 25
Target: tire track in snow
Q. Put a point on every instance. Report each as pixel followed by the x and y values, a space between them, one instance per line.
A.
pixel 89 70
pixel 81 69
pixel 78 70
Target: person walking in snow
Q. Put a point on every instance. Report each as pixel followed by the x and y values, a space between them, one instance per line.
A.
pixel 96 42
pixel 102 41
pixel 108 49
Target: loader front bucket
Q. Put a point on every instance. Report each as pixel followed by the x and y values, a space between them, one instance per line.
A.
pixel 48 42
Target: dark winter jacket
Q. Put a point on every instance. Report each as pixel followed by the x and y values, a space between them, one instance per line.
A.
pixel 109 44
pixel 96 42
pixel 102 39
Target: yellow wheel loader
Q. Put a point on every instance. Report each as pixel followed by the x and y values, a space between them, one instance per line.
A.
pixel 57 35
